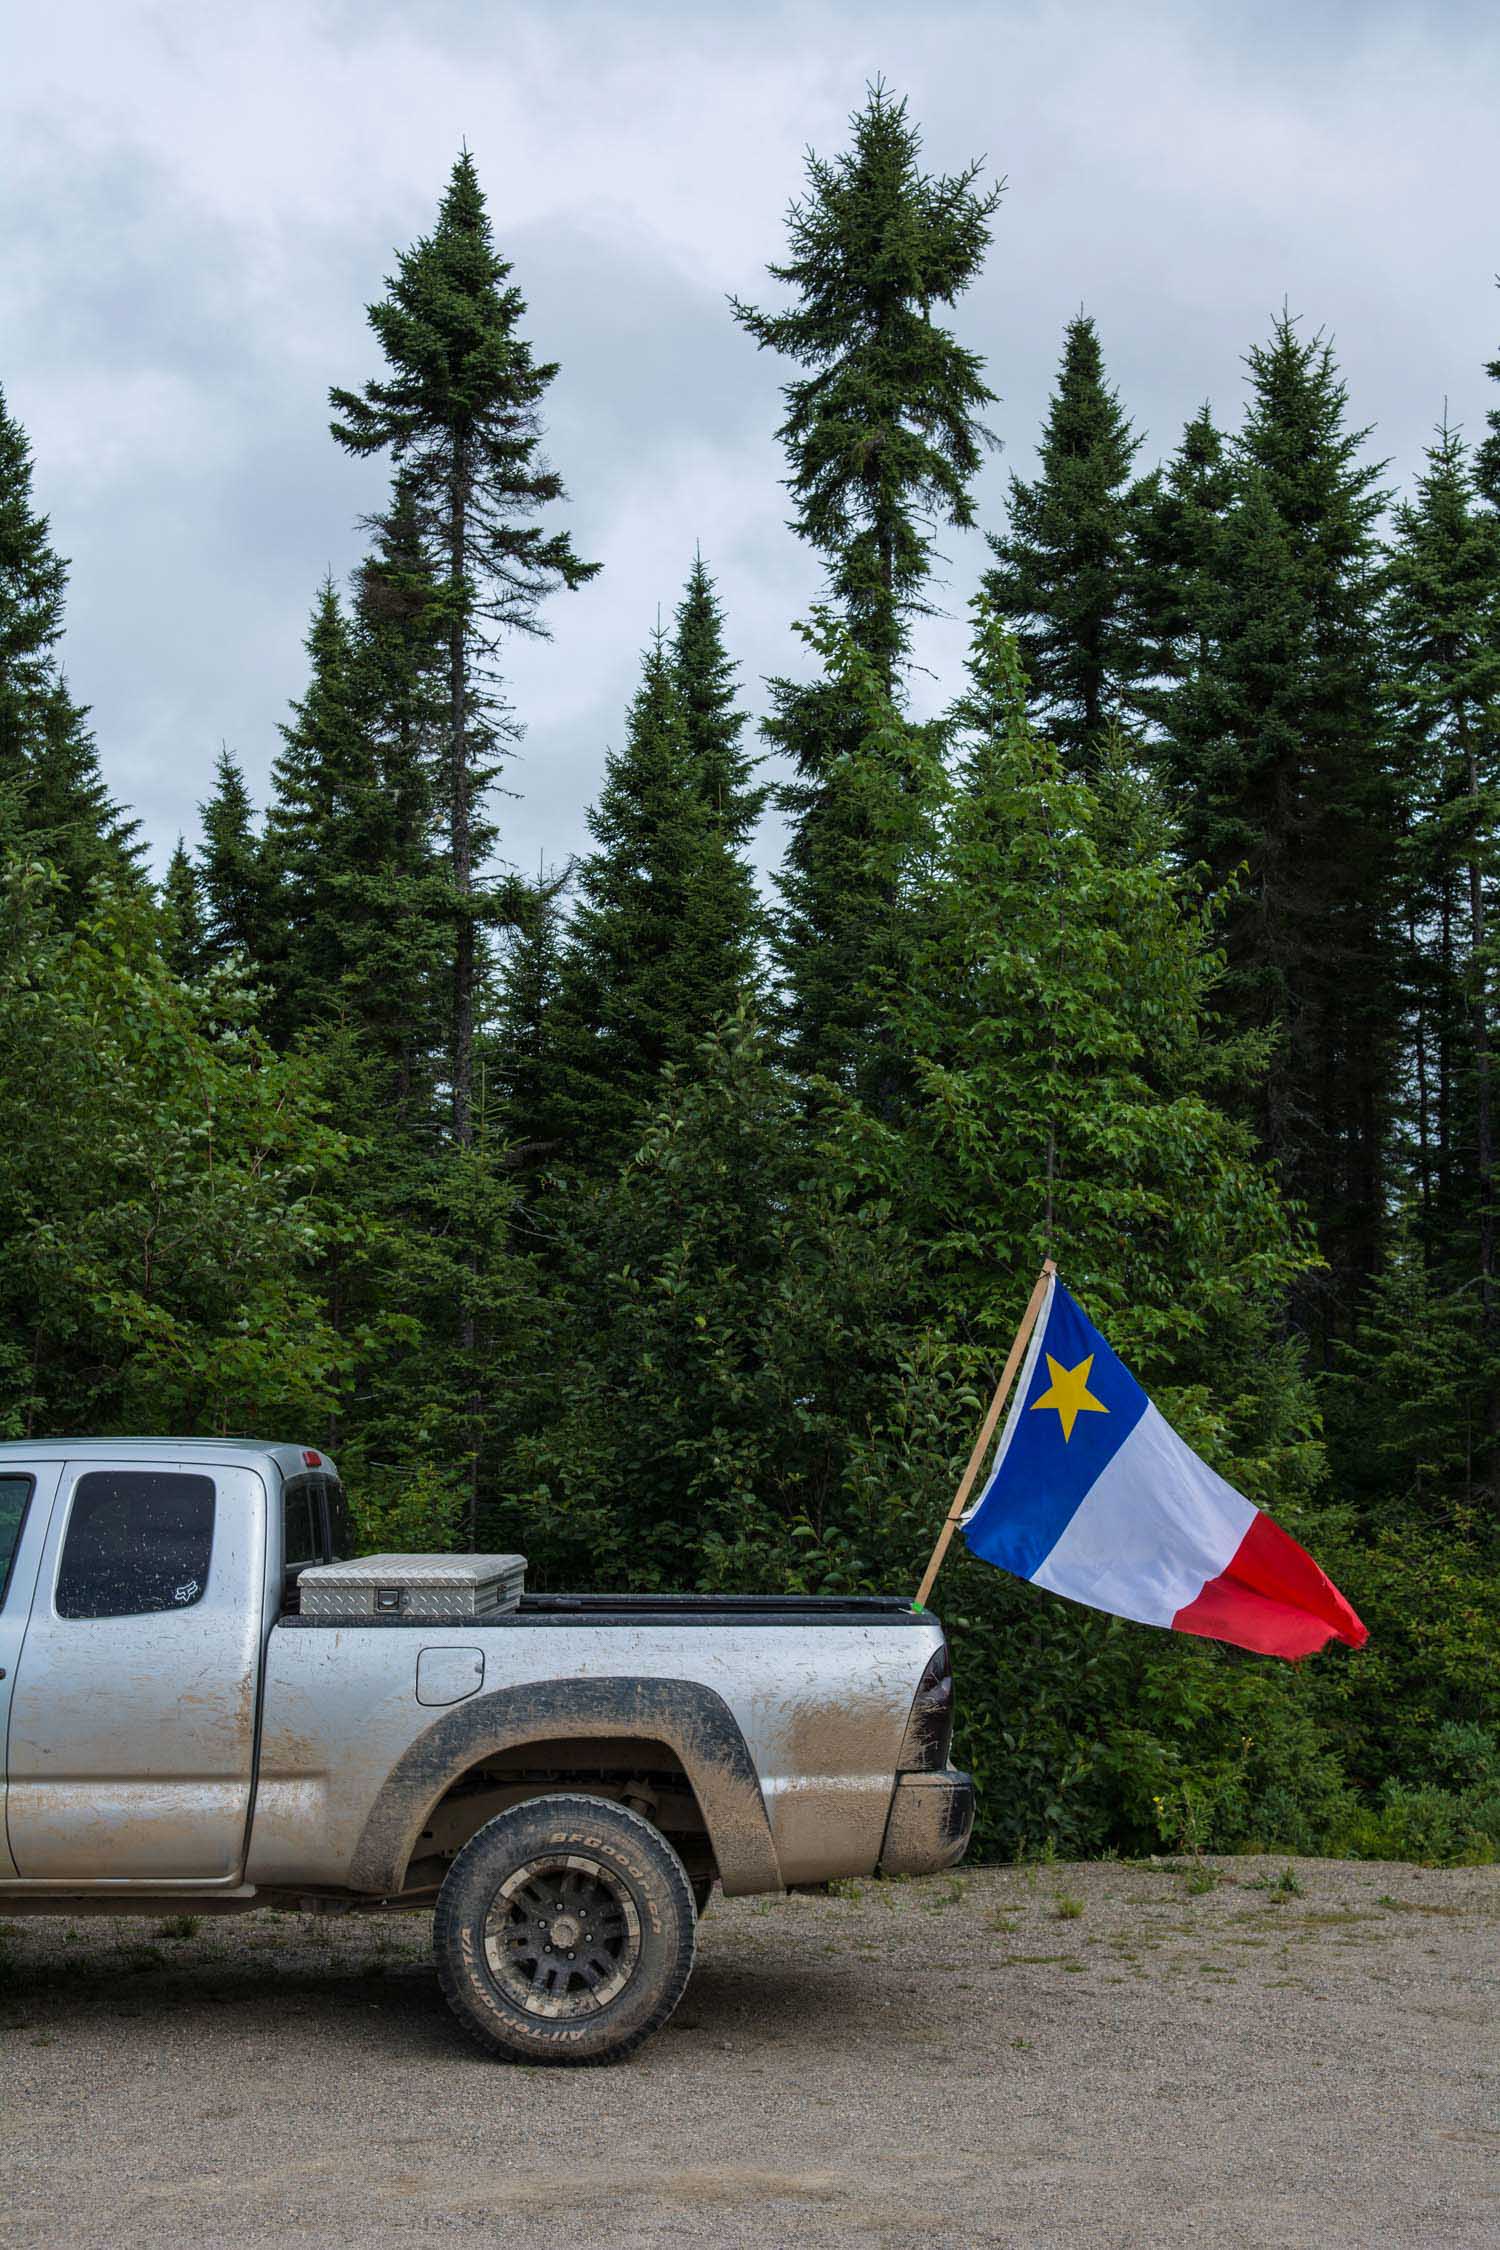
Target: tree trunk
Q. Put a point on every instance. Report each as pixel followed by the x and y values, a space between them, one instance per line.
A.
pixel 1424 1099
pixel 461 833
pixel 1445 1042
pixel 459 811
pixel 1484 1138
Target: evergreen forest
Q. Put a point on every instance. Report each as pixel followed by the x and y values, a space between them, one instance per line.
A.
pixel 671 1226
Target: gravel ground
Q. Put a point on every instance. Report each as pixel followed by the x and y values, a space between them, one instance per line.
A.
pixel 1115 2055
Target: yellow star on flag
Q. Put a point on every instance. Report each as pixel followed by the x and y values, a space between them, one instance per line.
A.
pixel 1070 1394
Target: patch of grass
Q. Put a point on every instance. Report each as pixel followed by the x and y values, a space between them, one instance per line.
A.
pixel 952 1896
pixel 1278 1887
pixel 1200 1878
pixel 1066 1906
pixel 845 1887
pixel 1003 1922
pixel 179 1926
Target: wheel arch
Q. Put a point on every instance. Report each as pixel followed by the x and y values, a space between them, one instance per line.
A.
pixel 694 1722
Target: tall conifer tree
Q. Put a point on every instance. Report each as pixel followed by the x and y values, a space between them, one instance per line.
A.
pixel 883 435
pixel 1487 461
pixel 1066 576
pixel 529 1067
pixel 1179 531
pixel 53 801
pixel 318 772
pixel 240 910
pixel 1443 620
pixel 712 720
pixel 1276 750
pixel 663 941
pixel 460 410
pixel 183 943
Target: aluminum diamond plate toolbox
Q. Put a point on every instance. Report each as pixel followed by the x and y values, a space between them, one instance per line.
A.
pixel 437 1589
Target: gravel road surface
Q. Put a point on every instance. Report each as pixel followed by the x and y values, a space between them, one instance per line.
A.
pixel 1119 2055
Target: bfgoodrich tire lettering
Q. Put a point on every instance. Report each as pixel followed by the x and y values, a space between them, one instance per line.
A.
pixel 608 1888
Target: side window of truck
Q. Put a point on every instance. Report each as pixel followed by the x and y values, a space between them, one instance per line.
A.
pixel 137 1541
pixel 15 1492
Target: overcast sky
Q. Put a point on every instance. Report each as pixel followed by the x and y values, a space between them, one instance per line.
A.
pixel 198 202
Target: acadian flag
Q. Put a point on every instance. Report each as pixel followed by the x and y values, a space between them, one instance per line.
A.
pixel 1095 1496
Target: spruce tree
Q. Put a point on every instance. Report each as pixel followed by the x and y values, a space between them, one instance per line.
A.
pixel 1179 529
pixel 850 922
pixel 318 771
pixel 459 410
pixel 1487 460
pixel 240 910
pixel 400 891
pixel 1443 624
pixel 663 939
pixel 884 436
pixel 1066 578
pixel 53 801
pixel 713 724
pixel 183 935
pixel 883 433
pixel 1276 754
pixel 528 1065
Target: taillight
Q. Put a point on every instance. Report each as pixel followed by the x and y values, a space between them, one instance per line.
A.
pixel 929 1730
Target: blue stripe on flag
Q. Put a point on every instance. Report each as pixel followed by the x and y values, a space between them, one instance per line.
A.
pixel 1041 1475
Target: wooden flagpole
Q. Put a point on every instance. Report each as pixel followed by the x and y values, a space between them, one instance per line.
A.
pixel 982 1442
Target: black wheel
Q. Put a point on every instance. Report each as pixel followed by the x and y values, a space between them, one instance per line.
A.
pixel 564 1932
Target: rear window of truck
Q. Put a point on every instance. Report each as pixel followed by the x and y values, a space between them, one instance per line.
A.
pixel 315 1521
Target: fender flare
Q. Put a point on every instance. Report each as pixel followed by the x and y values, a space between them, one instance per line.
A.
pixel 693 1721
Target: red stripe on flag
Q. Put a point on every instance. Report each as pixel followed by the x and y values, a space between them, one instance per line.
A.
pixel 1272 1598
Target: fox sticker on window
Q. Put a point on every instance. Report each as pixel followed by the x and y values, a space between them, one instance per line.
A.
pixel 186 1592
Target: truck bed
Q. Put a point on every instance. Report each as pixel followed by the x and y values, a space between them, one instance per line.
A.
pixel 811 1695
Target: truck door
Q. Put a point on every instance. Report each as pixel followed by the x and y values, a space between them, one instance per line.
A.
pixel 132 1726
pixel 25 1506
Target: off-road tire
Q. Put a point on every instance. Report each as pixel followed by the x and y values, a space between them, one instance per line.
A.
pixel 483 1933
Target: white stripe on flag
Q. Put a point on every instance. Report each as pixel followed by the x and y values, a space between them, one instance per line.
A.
pixel 1153 1528
pixel 1017 1405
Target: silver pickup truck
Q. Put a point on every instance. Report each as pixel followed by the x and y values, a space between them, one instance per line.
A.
pixel 563 1779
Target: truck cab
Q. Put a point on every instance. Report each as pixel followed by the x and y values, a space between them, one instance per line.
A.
pixel 142 1579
